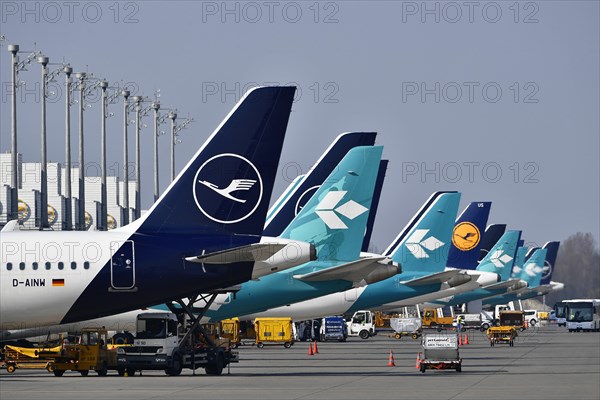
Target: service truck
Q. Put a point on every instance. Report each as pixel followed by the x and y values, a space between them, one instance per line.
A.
pixel 434 318
pixel 165 342
pixel 361 324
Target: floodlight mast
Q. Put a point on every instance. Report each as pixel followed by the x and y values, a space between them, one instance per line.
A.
pixel 125 94
pixel 43 223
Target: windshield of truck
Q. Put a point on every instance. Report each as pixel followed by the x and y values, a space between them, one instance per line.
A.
pixel 151 328
pixel 359 318
pixel 580 312
pixel 511 319
pixel 560 309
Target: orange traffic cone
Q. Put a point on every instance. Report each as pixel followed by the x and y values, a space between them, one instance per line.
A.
pixel 460 342
pixel 391 362
pixel 310 350
pixel 418 362
pixel 316 351
pixel 466 339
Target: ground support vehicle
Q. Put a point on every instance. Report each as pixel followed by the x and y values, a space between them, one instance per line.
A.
pixel 89 353
pixel 274 331
pixel 14 357
pixel 361 324
pixel 440 351
pixel 502 334
pixel 583 315
pixel 406 327
pixel 171 341
pixel 434 318
pixel 333 328
pixel 515 319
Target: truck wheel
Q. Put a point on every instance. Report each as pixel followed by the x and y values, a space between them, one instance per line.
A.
pixel 123 338
pixel 10 368
pixel 84 373
pixel 50 367
pixel 459 368
pixel 415 336
pixel 216 368
pixel 121 371
pixel 422 368
pixel 287 345
pixel 364 334
pixel 102 371
pixel 398 336
pixel 260 345
pixel 130 372
pixel 485 327
pixel 532 322
pixel 176 367
pixel 439 328
pixel 59 372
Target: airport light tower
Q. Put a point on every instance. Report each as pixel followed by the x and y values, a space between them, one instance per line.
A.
pixel 67 212
pixel 138 120
pixel 17 66
pixel 81 77
pixel 125 94
pixel 43 223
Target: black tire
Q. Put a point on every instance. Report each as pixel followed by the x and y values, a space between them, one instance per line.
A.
pixel 123 338
pixel 59 372
pixel 102 371
pixel 216 368
pixel 485 327
pixel 84 373
pixel 459 368
pixel 422 368
pixel 287 345
pixel 130 372
pixel 532 323
pixel 463 329
pixel 121 371
pixel 260 345
pixel 364 334
pixel 415 336
pixel 11 368
pixel 50 367
pixel 176 366
pixel 439 328
pixel 398 336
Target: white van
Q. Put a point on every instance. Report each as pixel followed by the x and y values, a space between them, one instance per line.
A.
pixel 531 316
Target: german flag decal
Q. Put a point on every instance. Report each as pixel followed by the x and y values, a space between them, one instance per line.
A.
pixel 58 282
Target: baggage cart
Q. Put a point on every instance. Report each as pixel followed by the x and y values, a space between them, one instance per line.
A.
pixel 502 334
pixel 440 351
pixel 274 331
pixel 406 327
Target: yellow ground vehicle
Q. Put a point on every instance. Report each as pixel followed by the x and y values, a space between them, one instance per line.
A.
pixel 27 358
pixel 510 321
pixel 237 331
pixel 91 353
pixel 433 318
pixel 274 331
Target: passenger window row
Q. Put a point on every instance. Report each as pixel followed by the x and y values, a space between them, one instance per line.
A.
pixel 47 265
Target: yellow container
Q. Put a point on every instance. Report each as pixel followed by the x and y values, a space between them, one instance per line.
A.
pixel 274 331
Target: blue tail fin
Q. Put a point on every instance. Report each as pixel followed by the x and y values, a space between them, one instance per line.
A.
pixel 423 244
pixel 226 187
pixel 375 204
pixel 492 234
pixel 501 257
pixel 466 237
pixel 552 248
pixel 520 257
pixel 533 268
pixel 335 217
pixel 286 208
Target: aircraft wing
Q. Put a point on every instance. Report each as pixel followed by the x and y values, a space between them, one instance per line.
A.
pixel 504 284
pixel 251 253
pixel 439 277
pixel 354 271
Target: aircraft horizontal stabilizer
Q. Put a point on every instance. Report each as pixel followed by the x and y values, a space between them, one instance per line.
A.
pixel 251 253
pixel 354 271
pixel 440 277
pixel 504 284
pixel 10 226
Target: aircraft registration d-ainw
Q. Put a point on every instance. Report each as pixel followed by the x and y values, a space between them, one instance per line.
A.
pixel 203 233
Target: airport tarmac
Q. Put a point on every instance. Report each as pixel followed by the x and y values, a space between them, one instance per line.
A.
pixel 545 363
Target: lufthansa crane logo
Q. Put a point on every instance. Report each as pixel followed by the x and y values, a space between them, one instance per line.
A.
pixel 227 188
pixel 466 236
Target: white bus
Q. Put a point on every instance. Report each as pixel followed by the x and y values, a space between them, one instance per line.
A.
pixel 583 315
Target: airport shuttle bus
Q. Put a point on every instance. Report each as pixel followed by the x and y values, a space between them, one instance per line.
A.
pixel 583 315
pixel 560 312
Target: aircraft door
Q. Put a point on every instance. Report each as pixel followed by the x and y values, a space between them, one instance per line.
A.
pixel 122 265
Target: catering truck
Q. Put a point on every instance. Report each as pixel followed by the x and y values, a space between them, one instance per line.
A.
pixel 164 342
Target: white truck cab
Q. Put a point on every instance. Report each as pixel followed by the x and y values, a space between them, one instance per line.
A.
pixel 362 324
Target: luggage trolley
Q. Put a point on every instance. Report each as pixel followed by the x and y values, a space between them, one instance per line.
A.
pixel 440 351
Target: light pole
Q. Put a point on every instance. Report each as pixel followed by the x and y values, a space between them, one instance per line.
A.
pixel 125 94
pixel 103 196
pixel 173 118
pixel 16 67
pixel 81 76
pixel 138 121
pixel 68 215
pixel 156 107
pixel 44 165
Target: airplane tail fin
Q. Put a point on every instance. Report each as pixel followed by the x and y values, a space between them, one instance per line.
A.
pixel 501 257
pixel 492 234
pixel 375 204
pixel 291 202
pixel 467 235
pixel 226 187
pixel 335 217
pixel 423 243
pixel 534 268
pixel 520 258
pixel 552 253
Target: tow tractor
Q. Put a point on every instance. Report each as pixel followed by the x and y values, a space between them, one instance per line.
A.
pixel 171 341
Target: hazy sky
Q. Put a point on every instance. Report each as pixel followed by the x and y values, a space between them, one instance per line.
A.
pixel 499 100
